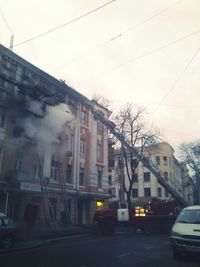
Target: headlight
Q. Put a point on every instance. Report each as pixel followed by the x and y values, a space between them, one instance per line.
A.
pixel 175 234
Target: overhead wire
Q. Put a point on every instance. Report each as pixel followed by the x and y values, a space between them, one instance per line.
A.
pixel 147 54
pixel 173 86
pixel 65 24
pixel 130 29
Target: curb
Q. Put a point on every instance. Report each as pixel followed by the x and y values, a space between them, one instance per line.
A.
pixel 40 243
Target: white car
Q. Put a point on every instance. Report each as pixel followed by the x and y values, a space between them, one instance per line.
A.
pixel 185 233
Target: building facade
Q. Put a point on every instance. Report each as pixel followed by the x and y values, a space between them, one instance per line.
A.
pixel 53 152
pixel 145 184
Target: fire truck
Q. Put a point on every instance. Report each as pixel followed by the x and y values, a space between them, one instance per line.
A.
pixel 152 216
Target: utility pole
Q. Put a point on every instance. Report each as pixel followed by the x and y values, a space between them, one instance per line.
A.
pixel 11 42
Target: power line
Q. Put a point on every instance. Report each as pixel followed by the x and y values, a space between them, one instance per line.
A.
pixel 178 78
pixel 65 24
pixel 146 20
pixel 154 51
pixel 114 38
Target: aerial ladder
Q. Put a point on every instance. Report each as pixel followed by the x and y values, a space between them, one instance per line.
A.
pixel 111 126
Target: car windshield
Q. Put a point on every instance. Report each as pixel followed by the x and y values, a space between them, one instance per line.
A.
pixel 189 216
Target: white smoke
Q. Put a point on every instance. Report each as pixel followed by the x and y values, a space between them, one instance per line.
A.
pixel 47 129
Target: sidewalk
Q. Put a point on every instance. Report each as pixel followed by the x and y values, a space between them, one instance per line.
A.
pixel 33 240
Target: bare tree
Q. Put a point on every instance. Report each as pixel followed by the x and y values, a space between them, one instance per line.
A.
pixel 130 123
pixel 105 102
pixel 190 154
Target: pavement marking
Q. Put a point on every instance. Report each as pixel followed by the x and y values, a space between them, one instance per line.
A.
pixel 124 255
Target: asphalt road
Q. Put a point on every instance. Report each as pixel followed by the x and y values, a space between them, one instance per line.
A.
pixel 121 249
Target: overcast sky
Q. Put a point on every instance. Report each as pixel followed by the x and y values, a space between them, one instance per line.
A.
pixel 145 52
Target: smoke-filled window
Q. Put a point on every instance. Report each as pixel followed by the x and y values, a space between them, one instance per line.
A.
pixel 18 160
pixel 2 117
pixel 54 167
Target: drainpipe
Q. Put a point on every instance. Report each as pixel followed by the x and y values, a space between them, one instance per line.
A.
pixel 6 205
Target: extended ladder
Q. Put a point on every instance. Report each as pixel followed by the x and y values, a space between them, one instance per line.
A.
pixel 48 210
pixel 111 126
pixel 63 192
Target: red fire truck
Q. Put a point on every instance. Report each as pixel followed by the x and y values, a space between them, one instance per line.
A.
pixel 153 216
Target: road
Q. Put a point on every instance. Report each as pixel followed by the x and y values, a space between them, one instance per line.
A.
pixel 121 249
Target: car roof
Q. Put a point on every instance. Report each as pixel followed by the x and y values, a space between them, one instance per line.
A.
pixel 194 207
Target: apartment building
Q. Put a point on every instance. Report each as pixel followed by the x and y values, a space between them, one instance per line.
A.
pixel 53 152
pixel 145 184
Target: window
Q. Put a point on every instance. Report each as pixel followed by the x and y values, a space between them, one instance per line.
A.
pixel 159 192
pixel 134 192
pixel 54 167
pixel 111 163
pixel 82 148
pixel 18 74
pixel 84 118
pixel 146 176
pixel 165 161
pixel 37 170
pixel 113 192
pixel 69 174
pixel 170 162
pixel 165 175
pixel 99 127
pixel 110 179
pixel 134 163
pixel 147 192
pixel 100 152
pixel 135 177
pixel 1 159
pixel 2 117
pixel 146 159
pixel 52 207
pixel 18 161
pixel 82 176
pixel 157 160
pixel 166 193
pixel 99 178
pixel 71 148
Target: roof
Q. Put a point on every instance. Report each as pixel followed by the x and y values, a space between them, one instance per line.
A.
pixel 59 84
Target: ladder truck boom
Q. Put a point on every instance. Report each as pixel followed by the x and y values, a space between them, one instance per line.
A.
pixel 121 138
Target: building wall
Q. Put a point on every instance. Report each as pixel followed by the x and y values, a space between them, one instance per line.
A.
pixel 22 184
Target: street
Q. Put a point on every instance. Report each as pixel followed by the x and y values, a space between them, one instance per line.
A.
pixel 121 249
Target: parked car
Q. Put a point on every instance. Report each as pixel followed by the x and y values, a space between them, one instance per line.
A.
pixel 8 231
pixel 185 233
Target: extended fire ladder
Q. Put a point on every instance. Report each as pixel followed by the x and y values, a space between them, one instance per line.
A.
pixel 46 205
pixel 63 193
pixel 111 126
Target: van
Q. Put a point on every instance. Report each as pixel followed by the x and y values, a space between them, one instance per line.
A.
pixel 185 233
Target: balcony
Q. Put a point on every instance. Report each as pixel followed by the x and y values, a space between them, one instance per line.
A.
pixel 15 177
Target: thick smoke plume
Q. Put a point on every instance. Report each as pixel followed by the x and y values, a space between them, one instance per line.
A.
pixel 48 128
